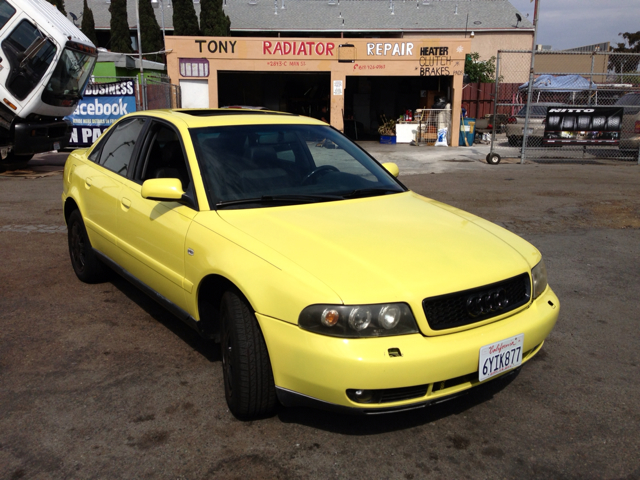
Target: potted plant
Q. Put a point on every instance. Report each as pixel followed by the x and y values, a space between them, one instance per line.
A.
pixel 387 130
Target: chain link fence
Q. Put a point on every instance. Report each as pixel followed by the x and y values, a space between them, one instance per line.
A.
pixel 567 100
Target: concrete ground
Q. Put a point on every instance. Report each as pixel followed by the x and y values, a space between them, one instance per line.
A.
pixel 97 381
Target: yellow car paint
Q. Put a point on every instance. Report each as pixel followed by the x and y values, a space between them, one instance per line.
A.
pixel 285 258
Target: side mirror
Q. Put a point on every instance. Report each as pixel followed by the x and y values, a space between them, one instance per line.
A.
pixel 392 168
pixel 163 189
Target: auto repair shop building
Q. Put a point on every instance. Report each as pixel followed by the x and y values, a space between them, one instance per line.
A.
pixel 361 58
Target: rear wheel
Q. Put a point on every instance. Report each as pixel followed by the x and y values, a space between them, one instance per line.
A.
pixel 248 379
pixel 85 263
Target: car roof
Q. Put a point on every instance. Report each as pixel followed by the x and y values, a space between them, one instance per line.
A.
pixel 214 117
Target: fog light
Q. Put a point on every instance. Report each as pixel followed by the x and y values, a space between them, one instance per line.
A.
pixel 361 396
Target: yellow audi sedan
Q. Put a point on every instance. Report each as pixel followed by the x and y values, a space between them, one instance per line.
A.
pixel 327 282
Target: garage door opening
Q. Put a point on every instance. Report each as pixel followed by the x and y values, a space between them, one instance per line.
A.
pixel 368 99
pixel 300 93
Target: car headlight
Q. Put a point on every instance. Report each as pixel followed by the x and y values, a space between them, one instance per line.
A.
pixel 356 321
pixel 539 277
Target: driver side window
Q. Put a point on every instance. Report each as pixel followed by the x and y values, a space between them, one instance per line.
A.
pixel 165 158
pixel 118 149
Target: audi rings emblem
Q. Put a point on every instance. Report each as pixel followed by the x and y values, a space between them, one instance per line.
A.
pixel 488 302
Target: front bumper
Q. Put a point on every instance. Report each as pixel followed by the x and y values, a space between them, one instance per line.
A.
pixel 37 137
pixel 318 370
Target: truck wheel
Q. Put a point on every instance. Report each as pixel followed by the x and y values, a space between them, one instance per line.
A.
pixel 85 263
pixel 493 159
pixel 514 141
pixel 14 162
pixel 248 380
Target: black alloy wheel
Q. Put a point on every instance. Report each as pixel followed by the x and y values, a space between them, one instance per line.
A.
pixel 248 380
pixel 86 264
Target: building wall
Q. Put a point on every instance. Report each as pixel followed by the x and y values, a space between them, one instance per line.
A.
pixel 567 63
pixel 487 44
pixel 104 69
pixel 416 56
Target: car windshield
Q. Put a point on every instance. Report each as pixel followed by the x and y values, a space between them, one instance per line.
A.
pixel 69 78
pixel 252 166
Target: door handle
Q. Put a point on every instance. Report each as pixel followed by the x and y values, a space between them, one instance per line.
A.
pixel 126 203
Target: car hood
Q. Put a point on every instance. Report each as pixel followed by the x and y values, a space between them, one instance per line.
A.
pixel 400 247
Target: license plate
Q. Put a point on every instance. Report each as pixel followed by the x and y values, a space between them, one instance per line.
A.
pixel 56 146
pixel 529 131
pixel 500 356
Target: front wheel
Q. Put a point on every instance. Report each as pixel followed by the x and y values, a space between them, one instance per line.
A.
pixel 248 379
pixel 85 263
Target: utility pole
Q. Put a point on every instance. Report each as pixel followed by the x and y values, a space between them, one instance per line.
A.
pixel 525 135
pixel 144 92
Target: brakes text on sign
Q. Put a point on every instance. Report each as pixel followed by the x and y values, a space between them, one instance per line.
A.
pixel 298 48
pixel 401 49
pixel 434 61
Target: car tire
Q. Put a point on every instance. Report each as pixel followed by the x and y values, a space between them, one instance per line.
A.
pixel 14 162
pixel 514 141
pixel 493 159
pixel 84 261
pixel 248 379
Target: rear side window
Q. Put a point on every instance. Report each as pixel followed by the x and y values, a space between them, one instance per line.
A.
pixel 119 147
pixel 6 12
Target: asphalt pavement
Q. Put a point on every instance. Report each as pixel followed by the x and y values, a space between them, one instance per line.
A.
pixel 99 382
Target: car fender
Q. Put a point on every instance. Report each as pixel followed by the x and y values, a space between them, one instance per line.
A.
pixel 274 286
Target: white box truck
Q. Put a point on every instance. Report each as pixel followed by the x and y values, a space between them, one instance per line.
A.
pixel 45 64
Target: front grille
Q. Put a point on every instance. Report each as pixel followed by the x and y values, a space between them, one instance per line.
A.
pixel 477 304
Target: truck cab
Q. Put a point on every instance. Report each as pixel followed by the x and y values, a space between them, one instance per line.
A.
pixel 45 64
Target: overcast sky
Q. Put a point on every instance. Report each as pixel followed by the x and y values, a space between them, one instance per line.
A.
pixel 575 23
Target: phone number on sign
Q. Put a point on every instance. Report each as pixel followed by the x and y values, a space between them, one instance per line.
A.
pixel 368 67
pixel 285 63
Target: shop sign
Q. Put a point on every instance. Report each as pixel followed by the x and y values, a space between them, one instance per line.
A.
pixel 217 46
pixel 337 87
pixel 101 105
pixel 298 48
pixel 401 49
pixel 583 126
pixel 194 67
pixel 434 61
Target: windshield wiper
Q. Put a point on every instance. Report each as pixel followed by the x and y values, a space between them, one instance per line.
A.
pixel 370 192
pixel 280 199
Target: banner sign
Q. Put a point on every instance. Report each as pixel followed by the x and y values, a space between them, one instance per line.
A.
pixel 583 126
pixel 102 104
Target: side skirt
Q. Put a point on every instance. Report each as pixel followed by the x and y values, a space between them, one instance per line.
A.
pixel 163 301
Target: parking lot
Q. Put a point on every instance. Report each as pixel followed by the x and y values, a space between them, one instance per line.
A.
pixel 97 381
